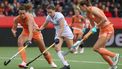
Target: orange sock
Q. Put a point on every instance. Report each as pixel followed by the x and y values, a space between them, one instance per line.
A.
pixel 108 59
pixel 22 54
pixel 48 57
pixel 104 51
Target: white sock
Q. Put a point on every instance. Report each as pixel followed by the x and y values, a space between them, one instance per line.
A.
pixel 62 58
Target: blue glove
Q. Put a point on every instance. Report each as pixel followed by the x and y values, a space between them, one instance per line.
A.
pixel 94 29
pixel 28 42
pixel 56 41
pixel 84 30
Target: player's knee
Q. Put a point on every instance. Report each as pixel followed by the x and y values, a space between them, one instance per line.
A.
pixel 20 43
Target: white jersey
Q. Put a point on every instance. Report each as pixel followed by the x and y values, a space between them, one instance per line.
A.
pixel 56 20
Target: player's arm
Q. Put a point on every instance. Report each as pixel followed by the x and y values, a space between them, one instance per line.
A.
pixel 14 27
pixel 102 18
pixel 72 22
pixel 92 30
pixel 61 23
pixel 44 25
pixel 83 19
pixel 84 24
pixel 30 27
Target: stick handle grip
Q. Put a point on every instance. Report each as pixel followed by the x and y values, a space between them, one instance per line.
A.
pixel 87 35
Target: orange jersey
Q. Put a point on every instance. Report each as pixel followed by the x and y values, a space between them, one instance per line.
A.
pixel 77 21
pixel 106 28
pixel 23 23
pixel 96 18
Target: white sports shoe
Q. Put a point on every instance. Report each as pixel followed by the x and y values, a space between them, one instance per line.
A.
pixel 81 50
pixel 53 65
pixel 116 59
pixel 75 52
pixel 113 67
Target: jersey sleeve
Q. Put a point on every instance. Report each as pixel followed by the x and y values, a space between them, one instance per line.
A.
pixel 47 19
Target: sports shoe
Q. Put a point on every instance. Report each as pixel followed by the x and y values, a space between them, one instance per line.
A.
pixel 81 50
pixel 65 67
pixel 75 52
pixel 53 65
pixel 113 67
pixel 116 59
pixel 22 65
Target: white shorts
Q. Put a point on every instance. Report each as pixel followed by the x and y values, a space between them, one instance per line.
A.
pixel 67 33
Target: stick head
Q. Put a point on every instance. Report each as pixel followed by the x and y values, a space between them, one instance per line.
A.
pixel 7 62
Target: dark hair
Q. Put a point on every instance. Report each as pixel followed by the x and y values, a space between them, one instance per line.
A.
pixel 28 6
pixel 85 2
pixel 22 7
pixel 51 7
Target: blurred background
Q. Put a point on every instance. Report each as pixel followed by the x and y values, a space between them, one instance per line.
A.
pixel 9 9
pixel 112 8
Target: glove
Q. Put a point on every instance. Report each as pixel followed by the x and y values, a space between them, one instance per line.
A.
pixel 84 30
pixel 94 29
pixel 28 42
pixel 56 41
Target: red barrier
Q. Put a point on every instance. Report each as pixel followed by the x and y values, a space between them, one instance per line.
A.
pixel 6 22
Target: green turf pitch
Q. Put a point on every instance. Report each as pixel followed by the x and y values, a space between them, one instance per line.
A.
pixel 87 60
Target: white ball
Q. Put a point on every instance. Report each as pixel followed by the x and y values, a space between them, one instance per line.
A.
pixel 31 67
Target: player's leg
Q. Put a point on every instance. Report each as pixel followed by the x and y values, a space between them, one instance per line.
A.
pixel 100 48
pixel 69 43
pixel 39 40
pixel 59 53
pixel 74 40
pixel 21 40
pixel 106 54
pixel 105 34
pixel 75 37
pixel 81 45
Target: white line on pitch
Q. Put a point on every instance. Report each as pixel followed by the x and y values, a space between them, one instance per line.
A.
pixel 77 61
